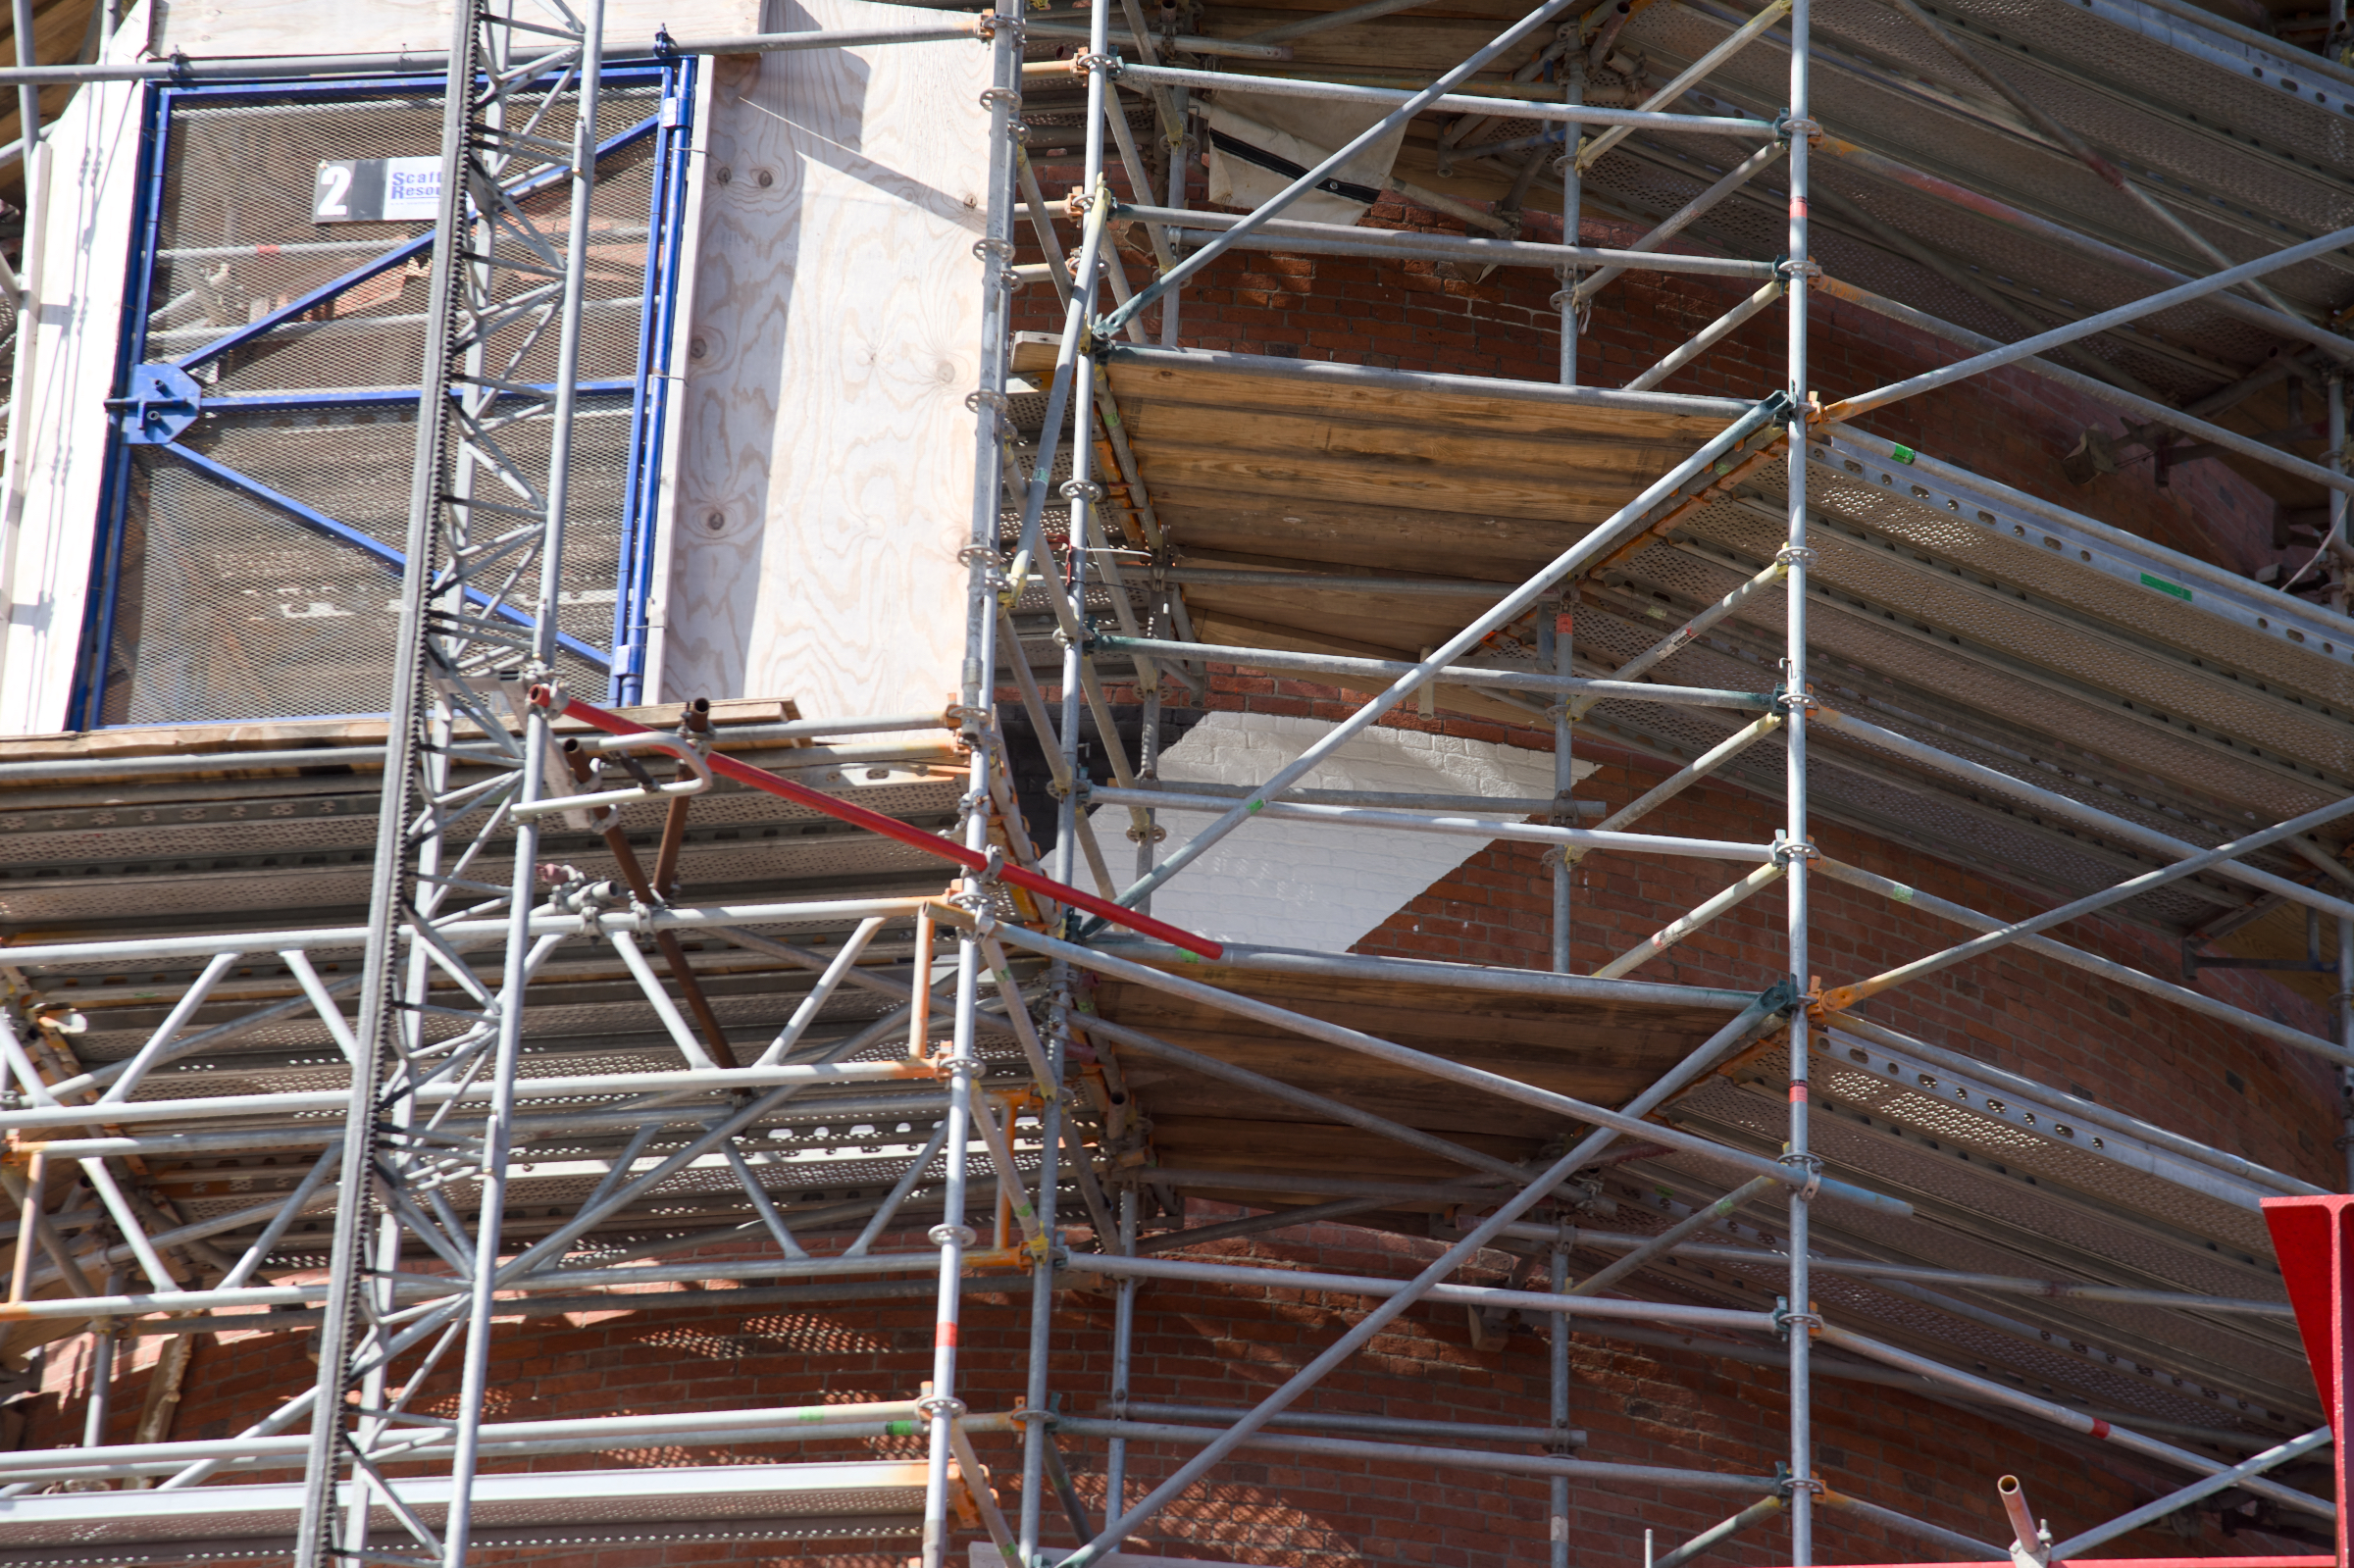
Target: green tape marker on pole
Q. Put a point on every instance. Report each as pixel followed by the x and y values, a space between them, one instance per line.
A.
pixel 1903 454
pixel 2164 586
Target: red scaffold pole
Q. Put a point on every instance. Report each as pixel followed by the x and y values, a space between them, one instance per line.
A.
pixel 560 704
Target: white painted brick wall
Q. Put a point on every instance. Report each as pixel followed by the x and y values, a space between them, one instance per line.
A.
pixel 1307 884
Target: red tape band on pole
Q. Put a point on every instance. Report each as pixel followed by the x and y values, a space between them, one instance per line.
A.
pixel 761 779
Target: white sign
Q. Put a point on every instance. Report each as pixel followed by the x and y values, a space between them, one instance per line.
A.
pixel 377 190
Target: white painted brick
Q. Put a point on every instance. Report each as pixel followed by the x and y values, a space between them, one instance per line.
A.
pixel 1297 885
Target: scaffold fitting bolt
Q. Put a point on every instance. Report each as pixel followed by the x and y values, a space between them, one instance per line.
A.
pixel 1811 1164
pixel 942 1234
pixel 933 1406
pixel 1086 491
pixel 990 97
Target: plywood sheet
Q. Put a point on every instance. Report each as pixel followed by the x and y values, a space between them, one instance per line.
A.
pixel 77 259
pixel 236 30
pixel 825 476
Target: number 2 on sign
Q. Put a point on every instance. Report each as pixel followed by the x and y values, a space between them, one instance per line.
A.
pixel 334 190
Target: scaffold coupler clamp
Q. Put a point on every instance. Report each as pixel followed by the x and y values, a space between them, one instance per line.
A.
pixel 1810 1163
pixel 1785 1483
pixel 1787 1322
pixel 987 28
pixel 976 894
pixel 1788 127
pixel 932 1406
pixel 1788 851
pixel 1000 251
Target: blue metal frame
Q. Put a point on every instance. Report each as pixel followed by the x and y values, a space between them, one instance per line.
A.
pixel 672 132
pixel 649 414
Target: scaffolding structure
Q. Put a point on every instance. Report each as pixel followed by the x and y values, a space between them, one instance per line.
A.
pixel 548 1077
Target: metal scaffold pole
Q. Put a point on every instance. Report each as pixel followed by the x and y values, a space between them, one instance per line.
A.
pixel 941 1407
pixel 1797 845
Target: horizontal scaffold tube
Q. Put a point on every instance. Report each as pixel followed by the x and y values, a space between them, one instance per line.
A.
pixel 214 760
pixel 2100 391
pixel 926 1100
pixel 2093 817
pixel 716 1079
pixel 2080 1109
pixel 459 933
pixel 1449 103
pixel 780 1424
pixel 1380 1426
pixel 1587 839
pixel 1455 675
pixel 1822 1263
pixel 2060 1415
pixel 1479 1295
pixel 1286 234
pixel 1456 1071
pixel 1335 374
pixel 1434 971
pixel 2108 968
pixel 1419 1453
pixel 1511 805
pixel 435 1288
pixel 436 62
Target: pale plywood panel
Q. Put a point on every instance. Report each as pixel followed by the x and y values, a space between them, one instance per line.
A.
pixel 827 474
pixel 254 28
pixel 65 371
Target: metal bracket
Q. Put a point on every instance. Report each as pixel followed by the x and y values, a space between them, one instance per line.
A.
pixel 1784 1320
pixel 164 401
pixel 689 750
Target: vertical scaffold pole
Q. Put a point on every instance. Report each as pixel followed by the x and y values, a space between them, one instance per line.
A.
pixel 1002 98
pixel 1797 845
pixel 2335 540
pixel 1573 185
pixel 1123 1344
pixel 1083 490
pixel 1555 644
pixel 2345 1036
pixel 1557 1523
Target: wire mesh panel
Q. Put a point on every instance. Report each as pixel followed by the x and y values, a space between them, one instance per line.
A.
pixel 265 428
